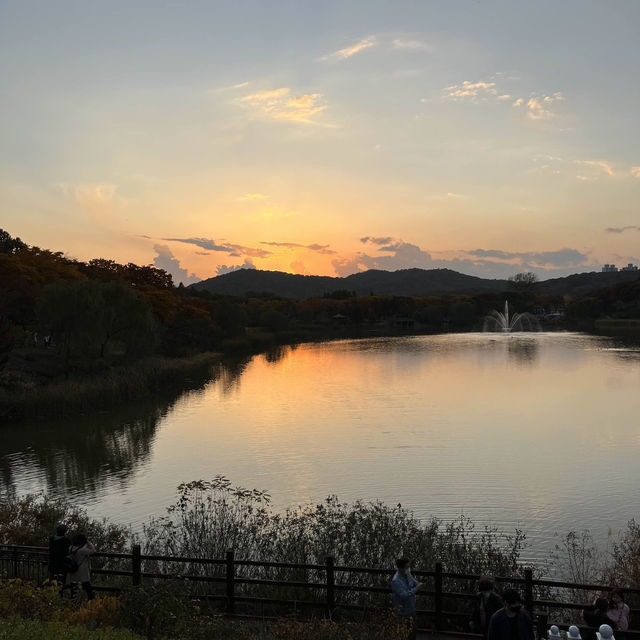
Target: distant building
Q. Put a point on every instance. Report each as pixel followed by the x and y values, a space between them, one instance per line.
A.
pixel 629 267
pixel 609 268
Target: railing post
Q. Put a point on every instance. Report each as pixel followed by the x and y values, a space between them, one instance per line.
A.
pixel 15 562
pixel 230 583
pixel 136 565
pixel 528 591
pixel 50 558
pixel 438 595
pixel 331 581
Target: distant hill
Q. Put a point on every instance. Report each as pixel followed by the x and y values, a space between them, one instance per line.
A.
pixel 579 284
pixel 405 282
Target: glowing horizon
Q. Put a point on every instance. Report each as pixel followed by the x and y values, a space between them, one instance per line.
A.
pixel 324 138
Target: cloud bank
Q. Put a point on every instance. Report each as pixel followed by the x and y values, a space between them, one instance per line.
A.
pixel 391 254
pixel 166 260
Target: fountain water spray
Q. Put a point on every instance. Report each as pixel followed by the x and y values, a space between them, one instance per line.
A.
pixel 499 321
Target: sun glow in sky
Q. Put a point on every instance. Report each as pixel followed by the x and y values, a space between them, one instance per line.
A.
pixel 324 137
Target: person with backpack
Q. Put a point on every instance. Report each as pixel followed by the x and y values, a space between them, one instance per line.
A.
pixel 78 565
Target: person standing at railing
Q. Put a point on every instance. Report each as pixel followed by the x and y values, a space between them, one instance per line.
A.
pixel 618 611
pixel 511 622
pixel 78 563
pixel 59 549
pixel 403 589
pixel 597 614
pixel 486 604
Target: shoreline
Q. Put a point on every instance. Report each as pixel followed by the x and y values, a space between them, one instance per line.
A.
pixel 77 395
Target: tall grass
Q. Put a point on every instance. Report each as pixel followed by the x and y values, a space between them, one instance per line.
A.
pixel 108 388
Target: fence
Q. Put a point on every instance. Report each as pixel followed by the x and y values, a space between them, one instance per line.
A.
pixel 247 588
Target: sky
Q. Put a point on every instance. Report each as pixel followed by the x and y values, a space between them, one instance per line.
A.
pixel 326 137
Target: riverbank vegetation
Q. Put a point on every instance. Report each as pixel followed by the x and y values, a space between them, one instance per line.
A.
pixel 208 518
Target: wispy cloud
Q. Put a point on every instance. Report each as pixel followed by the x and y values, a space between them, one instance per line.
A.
pixel 90 195
pixel 629 227
pixel 413 45
pixel 226 247
pixel 279 104
pixel 252 196
pixel 320 248
pixel 600 166
pixel 379 240
pixel 538 107
pixel 472 91
pixel 351 50
pixel 635 172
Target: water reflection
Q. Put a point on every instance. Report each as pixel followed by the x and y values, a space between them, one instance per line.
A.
pixel 88 453
pixel 523 351
pixel 501 428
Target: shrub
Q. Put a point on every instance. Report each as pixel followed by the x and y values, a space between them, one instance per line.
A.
pixel 26 600
pixel 99 612
pixel 624 569
pixel 30 520
pixel 154 610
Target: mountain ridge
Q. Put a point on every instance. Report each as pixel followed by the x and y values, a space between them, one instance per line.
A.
pixel 403 282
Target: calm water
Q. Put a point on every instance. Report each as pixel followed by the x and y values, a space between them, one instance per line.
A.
pixel 536 431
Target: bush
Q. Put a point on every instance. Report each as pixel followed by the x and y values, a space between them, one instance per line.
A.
pixel 154 610
pixel 210 517
pixel 99 612
pixel 26 600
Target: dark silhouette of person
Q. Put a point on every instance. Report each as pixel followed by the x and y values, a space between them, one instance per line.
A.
pixel 618 611
pixel 59 550
pixel 596 615
pixel 403 589
pixel 81 550
pixel 511 622
pixel 486 604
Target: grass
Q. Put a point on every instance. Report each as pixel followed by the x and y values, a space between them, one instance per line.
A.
pixel 20 629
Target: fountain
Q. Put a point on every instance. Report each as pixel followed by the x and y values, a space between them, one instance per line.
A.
pixel 498 321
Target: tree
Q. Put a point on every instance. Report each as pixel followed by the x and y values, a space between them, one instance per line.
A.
pixel 124 318
pixel 6 341
pixel 9 244
pixel 524 282
pixel 89 318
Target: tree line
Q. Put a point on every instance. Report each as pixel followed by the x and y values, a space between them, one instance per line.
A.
pixel 98 313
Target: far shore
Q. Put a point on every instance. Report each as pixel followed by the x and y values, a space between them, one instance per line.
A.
pixel 83 393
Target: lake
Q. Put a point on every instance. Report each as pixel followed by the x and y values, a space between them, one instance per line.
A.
pixel 538 431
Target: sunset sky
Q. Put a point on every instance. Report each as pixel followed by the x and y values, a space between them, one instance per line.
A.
pixel 324 137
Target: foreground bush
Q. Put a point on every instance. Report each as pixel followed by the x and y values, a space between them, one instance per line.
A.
pixel 30 520
pixel 20 629
pixel 210 517
pixel 26 600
